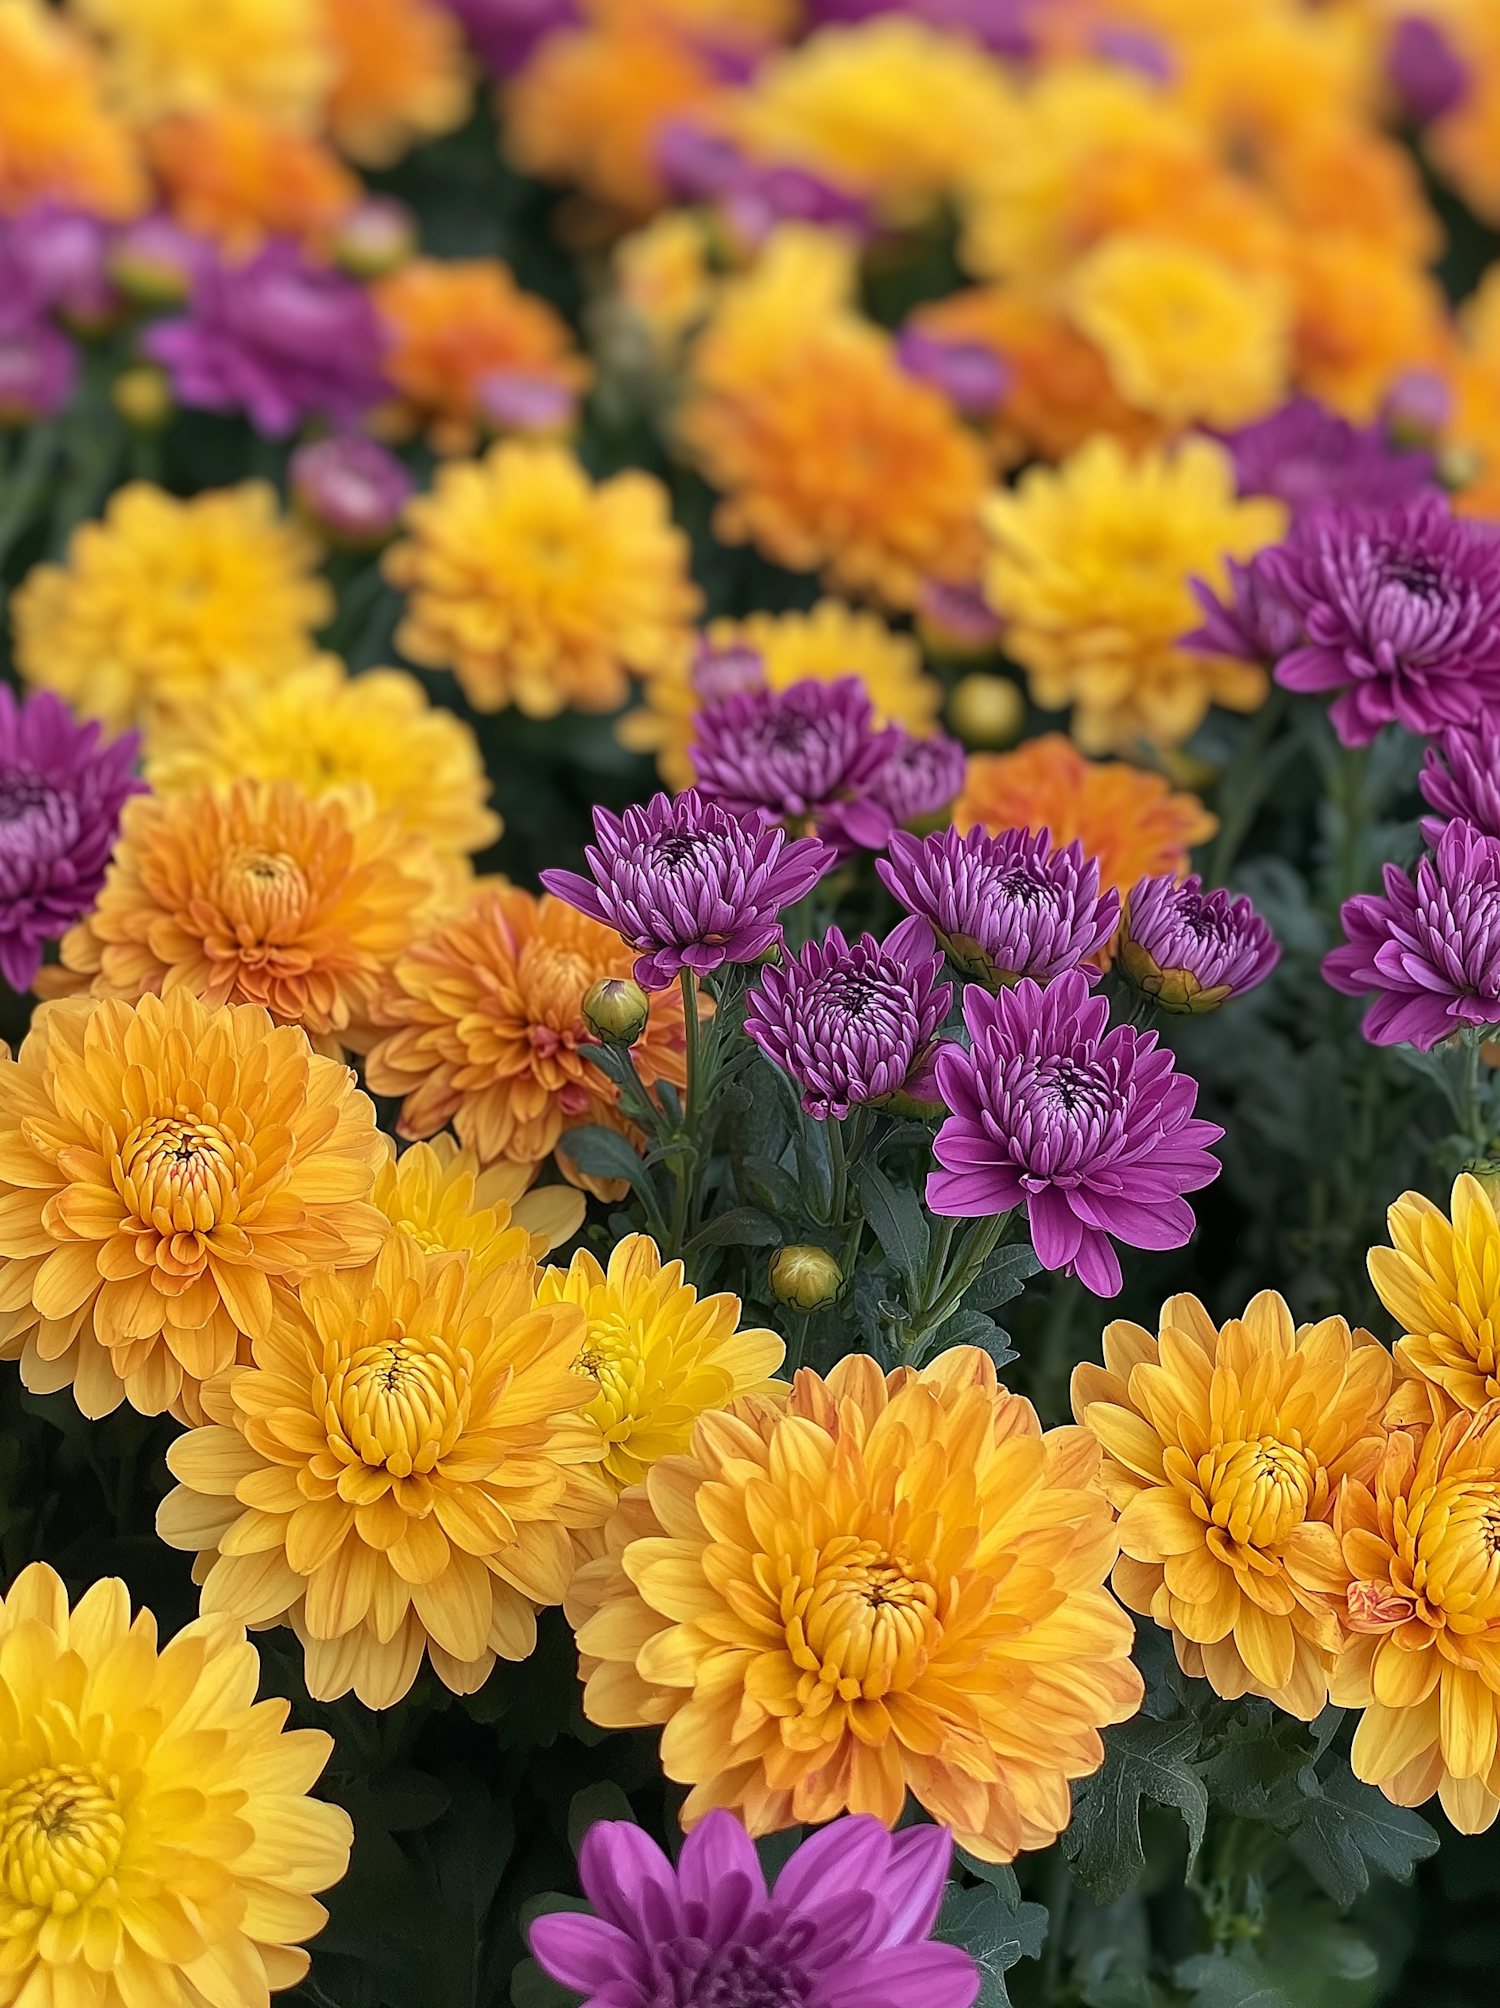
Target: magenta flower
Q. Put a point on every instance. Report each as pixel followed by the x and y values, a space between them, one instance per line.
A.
pixel 1092 1129
pixel 1257 623
pixel 762 196
pixel 350 486
pixel 1003 907
pixel 690 885
pixel 1461 777
pixel 1431 949
pixel 970 376
pixel 276 338
pixel 38 372
pixel 1191 950
pixel 851 1022
pixel 1426 72
pixel 504 32
pixel 61 793
pixel 845 1925
pixel 922 778
pixel 797 754
pixel 1000 25
pixel 1311 459
pixel 722 671
pixel 53 260
pixel 1401 610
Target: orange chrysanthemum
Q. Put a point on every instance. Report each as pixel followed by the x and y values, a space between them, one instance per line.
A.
pixel 1224 1451
pixel 259 895
pixel 397 1474
pixel 1365 316
pixel 451 322
pixel 162 1164
pixel 1127 818
pixel 402 76
pixel 239 177
pixel 490 1034
pixel 891 1583
pixel 58 142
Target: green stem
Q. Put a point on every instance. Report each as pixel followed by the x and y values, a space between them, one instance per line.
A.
pixel 690 1033
pixel 1470 1115
pixel 840 1196
pixel 1245 786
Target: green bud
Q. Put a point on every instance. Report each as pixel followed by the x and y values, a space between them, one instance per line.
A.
pixel 615 1010
pixel 986 710
pixel 805 1278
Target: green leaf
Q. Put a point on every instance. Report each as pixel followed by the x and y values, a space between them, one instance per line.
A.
pixel 1346 1826
pixel 530 1987
pixel 973 1328
pixel 994 1937
pixel 740 1227
pixel 604 1153
pixel 1004 1276
pixel 602 1801
pixel 773 1185
pixel 895 1213
pixel 1213 1980
pixel 1142 1760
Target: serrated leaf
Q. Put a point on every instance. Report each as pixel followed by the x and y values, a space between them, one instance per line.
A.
pixel 895 1213
pixel 740 1227
pixel 973 1328
pixel 1142 1760
pixel 994 1938
pixel 601 1801
pixel 773 1185
pixel 1347 1826
pixel 604 1153
pixel 1000 1876
pixel 1004 1276
pixel 1213 1980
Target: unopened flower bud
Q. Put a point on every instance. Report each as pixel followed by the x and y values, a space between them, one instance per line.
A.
pixel 351 487
pixel 376 236
pixel 615 1010
pixel 805 1278
pixel 143 397
pixel 986 710
pixel 154 261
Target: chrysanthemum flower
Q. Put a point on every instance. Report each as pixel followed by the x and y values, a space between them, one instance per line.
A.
pixel 437 1193
pixel 238 177
pixel 125 1882
pixel 921 780
pixel 163 598
pixel 893 1584
pixel 1366 314
pixel 539 588
pixel 397 1473
pixel 1224 1451
pixel 451 325
pixel 1090 569
pixel 1186 335
pixel 335 734
pixel 808 754
pixel 490 1033
pixel 38 373
pixel 163 1164
pixel 58 140
pixel 831 642
pixel 401 76
pixel 658 1353
pixel 1460 778
pixel 1127 818
pixel 1091 1129
pixel 1190 950
pixel 258 895
pixel 169 56
pixel 1310 458
pixel 1255 620
pixel 350 488
pixel 1440 1281
pixel 707 1928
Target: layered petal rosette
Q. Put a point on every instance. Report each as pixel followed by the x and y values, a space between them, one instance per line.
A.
pixel 1092 1130
pixel 798 755
pixel 1191 950
pixel 1460 778
pixel 1440 1281
pixel 1310 458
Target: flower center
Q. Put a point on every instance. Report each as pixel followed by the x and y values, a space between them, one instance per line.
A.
pixel 1417 576
pixel 1258 1491
pixel 693 1973
pixel 678 850
pixel 180 1175
pixel 264 894
pixel 398 1406
pixel 1452 1549
pixel 862 1623
pixel 61 1834
pixel 36 822
pixel 1071 1089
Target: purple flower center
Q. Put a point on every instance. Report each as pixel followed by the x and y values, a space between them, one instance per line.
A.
pixel 681 850
pixel 691 1973
pixel 38 824
pixel 860 1001
pixel 1065 1115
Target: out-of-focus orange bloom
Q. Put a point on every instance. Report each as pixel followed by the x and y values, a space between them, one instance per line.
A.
pixel 57 141
pixel 1351 179
pixel 1462 144
pixel 402 76
pixel 1365 316
pixel 1261 77
pixel 239 178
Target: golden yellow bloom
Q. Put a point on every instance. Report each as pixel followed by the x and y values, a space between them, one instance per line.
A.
pixel 437 1193
pixel 163 598
pixel 335 735
pixel 396 1474
pixel 257 895
pixel 488 1007
pixel 160 1165
pixel 401 77
pixel 1090 567
pixel 239 177
pixel 1224 1451
pixel 539 588
pixel 168 56
pixel 660 1355
pixel 1127 818
pixel 158 1841
pixel 1440 1281
pixel 892 1583
pixel 664 284
pixel 1185 335
pixel 58 142
pixel 834 640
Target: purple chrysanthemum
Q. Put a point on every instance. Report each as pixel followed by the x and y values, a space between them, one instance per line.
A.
pixel 277 338
pixel 1256 622
pixel 690 885
pixel 38 372
pixel 1429 947
pixel 971 376
pixel 921 778
pixel 797 754
pixel 61 793
pixel 845 1924
pixel 504 32
pixel 350 486
pixel 1191 950
pixel 725 670
pixel 1401 610
pixel 1006 906
pixel 761 196
pixel 1426 72
pixel 1461 777
pixel 1311 459
pixel 1092 1129
pixel 850 1021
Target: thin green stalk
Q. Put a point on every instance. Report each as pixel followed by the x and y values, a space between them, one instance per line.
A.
pixel 691 1034
pixel 1246 785
pixel 840 1195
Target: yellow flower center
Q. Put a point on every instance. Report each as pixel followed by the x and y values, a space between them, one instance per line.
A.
pixel 263 893
pixel 61 1833
pixel 1449 1544
pixel 860 1622
pixel 180 1175
pixel 1258 1491
pixel 397 1406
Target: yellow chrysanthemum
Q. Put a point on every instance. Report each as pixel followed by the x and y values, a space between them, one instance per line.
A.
pixel 1090 568
pixel 834 640
pixel 660 1355
pixel 167 56
pixel 664 286
pixel 1185 335
pixel 335 735
pixel 1224 1451
pixel 396 1474
pixel 258 895
pixel 437 1193
pixel 160 1165
pixel 891 1584
pixel 157 1841
pixel 1440 1281
pixel 58 141
pixel 163 598
pixel 538 587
